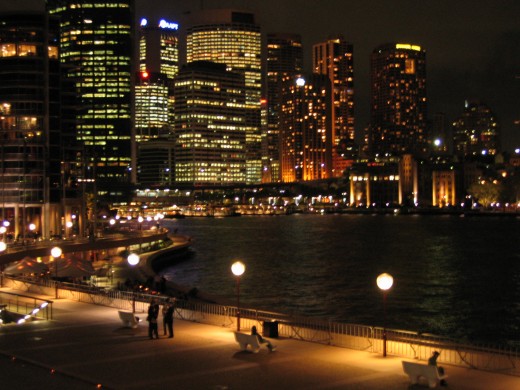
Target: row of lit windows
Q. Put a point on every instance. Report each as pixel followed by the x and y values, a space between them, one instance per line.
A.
pixel 24 50
pixel 375 178
pixel 98 5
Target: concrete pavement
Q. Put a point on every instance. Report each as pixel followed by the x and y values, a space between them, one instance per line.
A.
pixel 85 347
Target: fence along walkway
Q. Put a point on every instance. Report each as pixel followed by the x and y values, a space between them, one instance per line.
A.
pixel 405 344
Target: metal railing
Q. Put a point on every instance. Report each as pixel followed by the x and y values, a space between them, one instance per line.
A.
pixel 405 344
pixel 23 307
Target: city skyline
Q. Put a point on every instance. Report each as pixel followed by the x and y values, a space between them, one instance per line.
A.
pixel 473 50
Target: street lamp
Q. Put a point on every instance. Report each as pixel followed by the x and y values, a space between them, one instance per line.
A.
pixel 238 269
pixel 3 247
pixel 56 253
pixel 133 259
pixel 384 282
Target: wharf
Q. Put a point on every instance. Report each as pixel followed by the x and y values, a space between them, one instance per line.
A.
pixel 84 347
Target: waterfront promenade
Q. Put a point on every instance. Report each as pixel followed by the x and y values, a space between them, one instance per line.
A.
pixel 84 347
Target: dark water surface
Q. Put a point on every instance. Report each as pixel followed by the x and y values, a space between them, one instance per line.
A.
pixel 453 276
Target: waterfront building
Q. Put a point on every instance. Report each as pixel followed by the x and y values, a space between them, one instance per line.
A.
pixel 211 128
pixel 335 58
pixel 96 46
pixel 284 61
pixel 306 128
pixel 375 183
pixel 476 132
pixel 398 100
pixel 37 150
pixel 233 38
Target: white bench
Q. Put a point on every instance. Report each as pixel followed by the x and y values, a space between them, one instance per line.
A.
pixel 418 370
pixel 244 340
pixel 129 319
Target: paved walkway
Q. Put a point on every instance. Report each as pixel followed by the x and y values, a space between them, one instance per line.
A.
pixel 85 347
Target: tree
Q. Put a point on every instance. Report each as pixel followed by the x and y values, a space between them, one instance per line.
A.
pixel 486 192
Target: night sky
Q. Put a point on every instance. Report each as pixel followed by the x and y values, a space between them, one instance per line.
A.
pixel 472 48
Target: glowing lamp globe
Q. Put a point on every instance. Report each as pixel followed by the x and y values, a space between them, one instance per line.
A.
pixel 56 252
pixel 133 259
pixel 385 281
pixel 238 268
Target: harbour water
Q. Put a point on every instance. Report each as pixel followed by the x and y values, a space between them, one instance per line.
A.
pixel 453 276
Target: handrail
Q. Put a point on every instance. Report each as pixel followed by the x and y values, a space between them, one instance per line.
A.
pixel 406 344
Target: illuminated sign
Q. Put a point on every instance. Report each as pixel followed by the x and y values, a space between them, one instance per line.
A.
pixel 407 46
pixel 171 26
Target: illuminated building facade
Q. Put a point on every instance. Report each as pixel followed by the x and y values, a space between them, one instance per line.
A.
pixel 210 125
pixel 375 183
pixel 444 188
pixel 306 129
pixel 96 45
pixel 233 38
pixel 35 138
pixel 476 132
pixel 284 61
pixel 398 100
pixel 159 47
pixel 335 59
pixel 158 65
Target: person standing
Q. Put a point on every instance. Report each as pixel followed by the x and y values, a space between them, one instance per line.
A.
pixel 168 312
pixel 153 313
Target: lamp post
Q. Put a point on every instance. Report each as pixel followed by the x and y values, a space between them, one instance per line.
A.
pixel 238 269
pixel 133 259
pixel 384 282
pixel 56 253
pixel 3 247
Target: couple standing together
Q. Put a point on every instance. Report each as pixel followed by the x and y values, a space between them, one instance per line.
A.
pixel 153 314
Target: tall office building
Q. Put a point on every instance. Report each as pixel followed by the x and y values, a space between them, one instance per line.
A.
pixel 233 38
pixel 210 125
pixel 398 100
pixel 284 61
pixel 158 66
pixel 35 145
pixel 306 129
pixel 97 48
pixel 476 132
pixel 335 59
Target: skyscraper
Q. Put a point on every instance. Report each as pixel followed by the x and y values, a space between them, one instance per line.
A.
pixel 284 62
pixel 476 132
pixel 306 129
pixel 398 100
pixel 97 47
pixel 158 65
pixel 35 152
pixel 233 38
pixel 335 59
pixel 210 125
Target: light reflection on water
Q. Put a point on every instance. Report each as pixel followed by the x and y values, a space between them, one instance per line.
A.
pixel 458 277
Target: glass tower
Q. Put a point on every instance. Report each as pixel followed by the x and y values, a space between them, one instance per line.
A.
pixel 97 49
pixel 35 148
pixel 210 125
pixel 232 38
